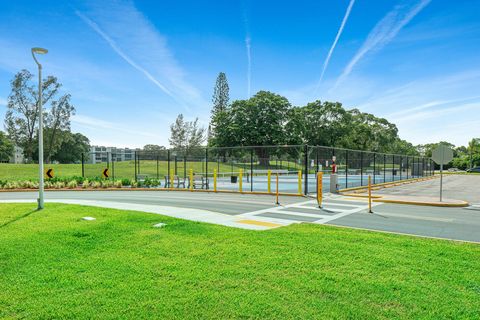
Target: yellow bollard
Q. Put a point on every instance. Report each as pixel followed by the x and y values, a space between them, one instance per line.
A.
pixel 276 190
pixel 214 180
pixel 269 180
pixel 369 194
pixel 171 178
pixel 320 188
pixel 191 179
pixel 299 181
pixel 240 176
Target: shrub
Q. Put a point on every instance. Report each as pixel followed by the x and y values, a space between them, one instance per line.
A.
pixel 134 184
pixel 118 184
pixel 85 184
pixel 72 184
pixel 95 184
pixel 126 182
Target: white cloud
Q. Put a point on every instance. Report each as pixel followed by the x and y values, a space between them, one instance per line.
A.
pixel 383 32
pixel 339 33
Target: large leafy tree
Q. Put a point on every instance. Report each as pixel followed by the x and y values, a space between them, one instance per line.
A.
pixel 259 121
pixel 71 147
pixel 21 118
pixel 153 148
pixel 6 147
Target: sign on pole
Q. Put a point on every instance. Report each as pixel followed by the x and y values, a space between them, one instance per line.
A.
pixel 50 173
pixel 442 155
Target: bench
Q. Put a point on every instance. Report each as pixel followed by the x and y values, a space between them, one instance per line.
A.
pixel 199 181
pixel 177 182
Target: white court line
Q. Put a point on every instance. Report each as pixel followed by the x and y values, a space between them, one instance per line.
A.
pixel 300 214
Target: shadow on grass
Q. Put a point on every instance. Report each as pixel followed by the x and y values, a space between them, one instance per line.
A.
pixel 18 218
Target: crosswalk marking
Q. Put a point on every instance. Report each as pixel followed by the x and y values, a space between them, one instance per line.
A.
pixel 333 207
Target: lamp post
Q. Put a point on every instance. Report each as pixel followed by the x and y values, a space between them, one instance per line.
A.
pixel 40 127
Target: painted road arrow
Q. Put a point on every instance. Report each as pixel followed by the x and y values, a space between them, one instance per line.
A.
pixel 105 173
pixel 50 173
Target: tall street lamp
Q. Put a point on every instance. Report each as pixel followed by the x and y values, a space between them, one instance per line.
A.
pixel 40 126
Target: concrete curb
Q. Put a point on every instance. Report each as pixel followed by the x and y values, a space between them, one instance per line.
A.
pixel 377 198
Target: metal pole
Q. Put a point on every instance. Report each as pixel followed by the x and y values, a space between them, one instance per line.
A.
pixel 361 168
pixel 135 159
pixel 158 174
pixel 393 167
pixel 306 169
pixel 384 167
pixel 176 165
pixel 83 165
pixel 168 167
pixel 251 170
pixel 206 165
pixel 40 140
pixel 346 168
pixel 441 181
pixel 374 166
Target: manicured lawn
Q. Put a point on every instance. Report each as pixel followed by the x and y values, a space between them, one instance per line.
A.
pixel 54 265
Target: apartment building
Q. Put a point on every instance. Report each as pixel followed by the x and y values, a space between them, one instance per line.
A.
pixel 99 154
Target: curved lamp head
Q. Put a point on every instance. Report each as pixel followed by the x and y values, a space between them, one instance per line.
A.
pixel 39 50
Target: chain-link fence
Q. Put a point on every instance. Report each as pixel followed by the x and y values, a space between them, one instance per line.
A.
pixel 256 169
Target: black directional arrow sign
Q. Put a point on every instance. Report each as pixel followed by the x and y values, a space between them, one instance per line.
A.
pixel 105 173
pixel 50 173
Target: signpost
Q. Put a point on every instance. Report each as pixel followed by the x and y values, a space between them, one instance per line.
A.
pixel 442 155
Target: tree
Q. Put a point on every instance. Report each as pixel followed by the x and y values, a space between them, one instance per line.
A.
pixel 186 135
pixel 259 121
pixel 220 101
pixel 153 148
pixel 71 147
pixel 6 147
pixel 473 148
pixel 21 118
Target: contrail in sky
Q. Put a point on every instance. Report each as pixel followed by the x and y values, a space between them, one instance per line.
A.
pixel 339 33
pixel 125 57
pixel 383 32
pixel 249 64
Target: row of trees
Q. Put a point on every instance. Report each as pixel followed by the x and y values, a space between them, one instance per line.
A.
pixel 270 119
pixel 21 121
pixel 464 157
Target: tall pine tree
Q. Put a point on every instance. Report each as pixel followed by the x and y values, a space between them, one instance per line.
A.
pixel 220 101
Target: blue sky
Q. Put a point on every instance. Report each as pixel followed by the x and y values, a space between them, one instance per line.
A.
pixel 132 66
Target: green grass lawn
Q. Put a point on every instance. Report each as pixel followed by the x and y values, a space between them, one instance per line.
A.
pixel 54 265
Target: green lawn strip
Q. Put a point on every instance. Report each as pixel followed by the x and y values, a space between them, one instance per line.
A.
pixel 55 265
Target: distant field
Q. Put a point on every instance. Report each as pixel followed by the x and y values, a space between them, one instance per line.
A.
pixel 126 169
pixel 54 265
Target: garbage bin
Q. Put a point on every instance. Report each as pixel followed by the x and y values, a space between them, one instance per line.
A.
pixel 233 179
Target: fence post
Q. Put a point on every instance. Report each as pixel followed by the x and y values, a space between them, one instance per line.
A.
pixel 306 169
pixel 184 167
pixel 240 180
pixel 175 164
pixel 385 161
pixel 83 165
pixel 393 167
pixel 168 164
pixel 158 175
pixel 251 170
pixel 370 194
pixel 361 168
pixel 206 165
pixel 135 163
pixel 374 166
pixel 407 167
pixel 346 168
